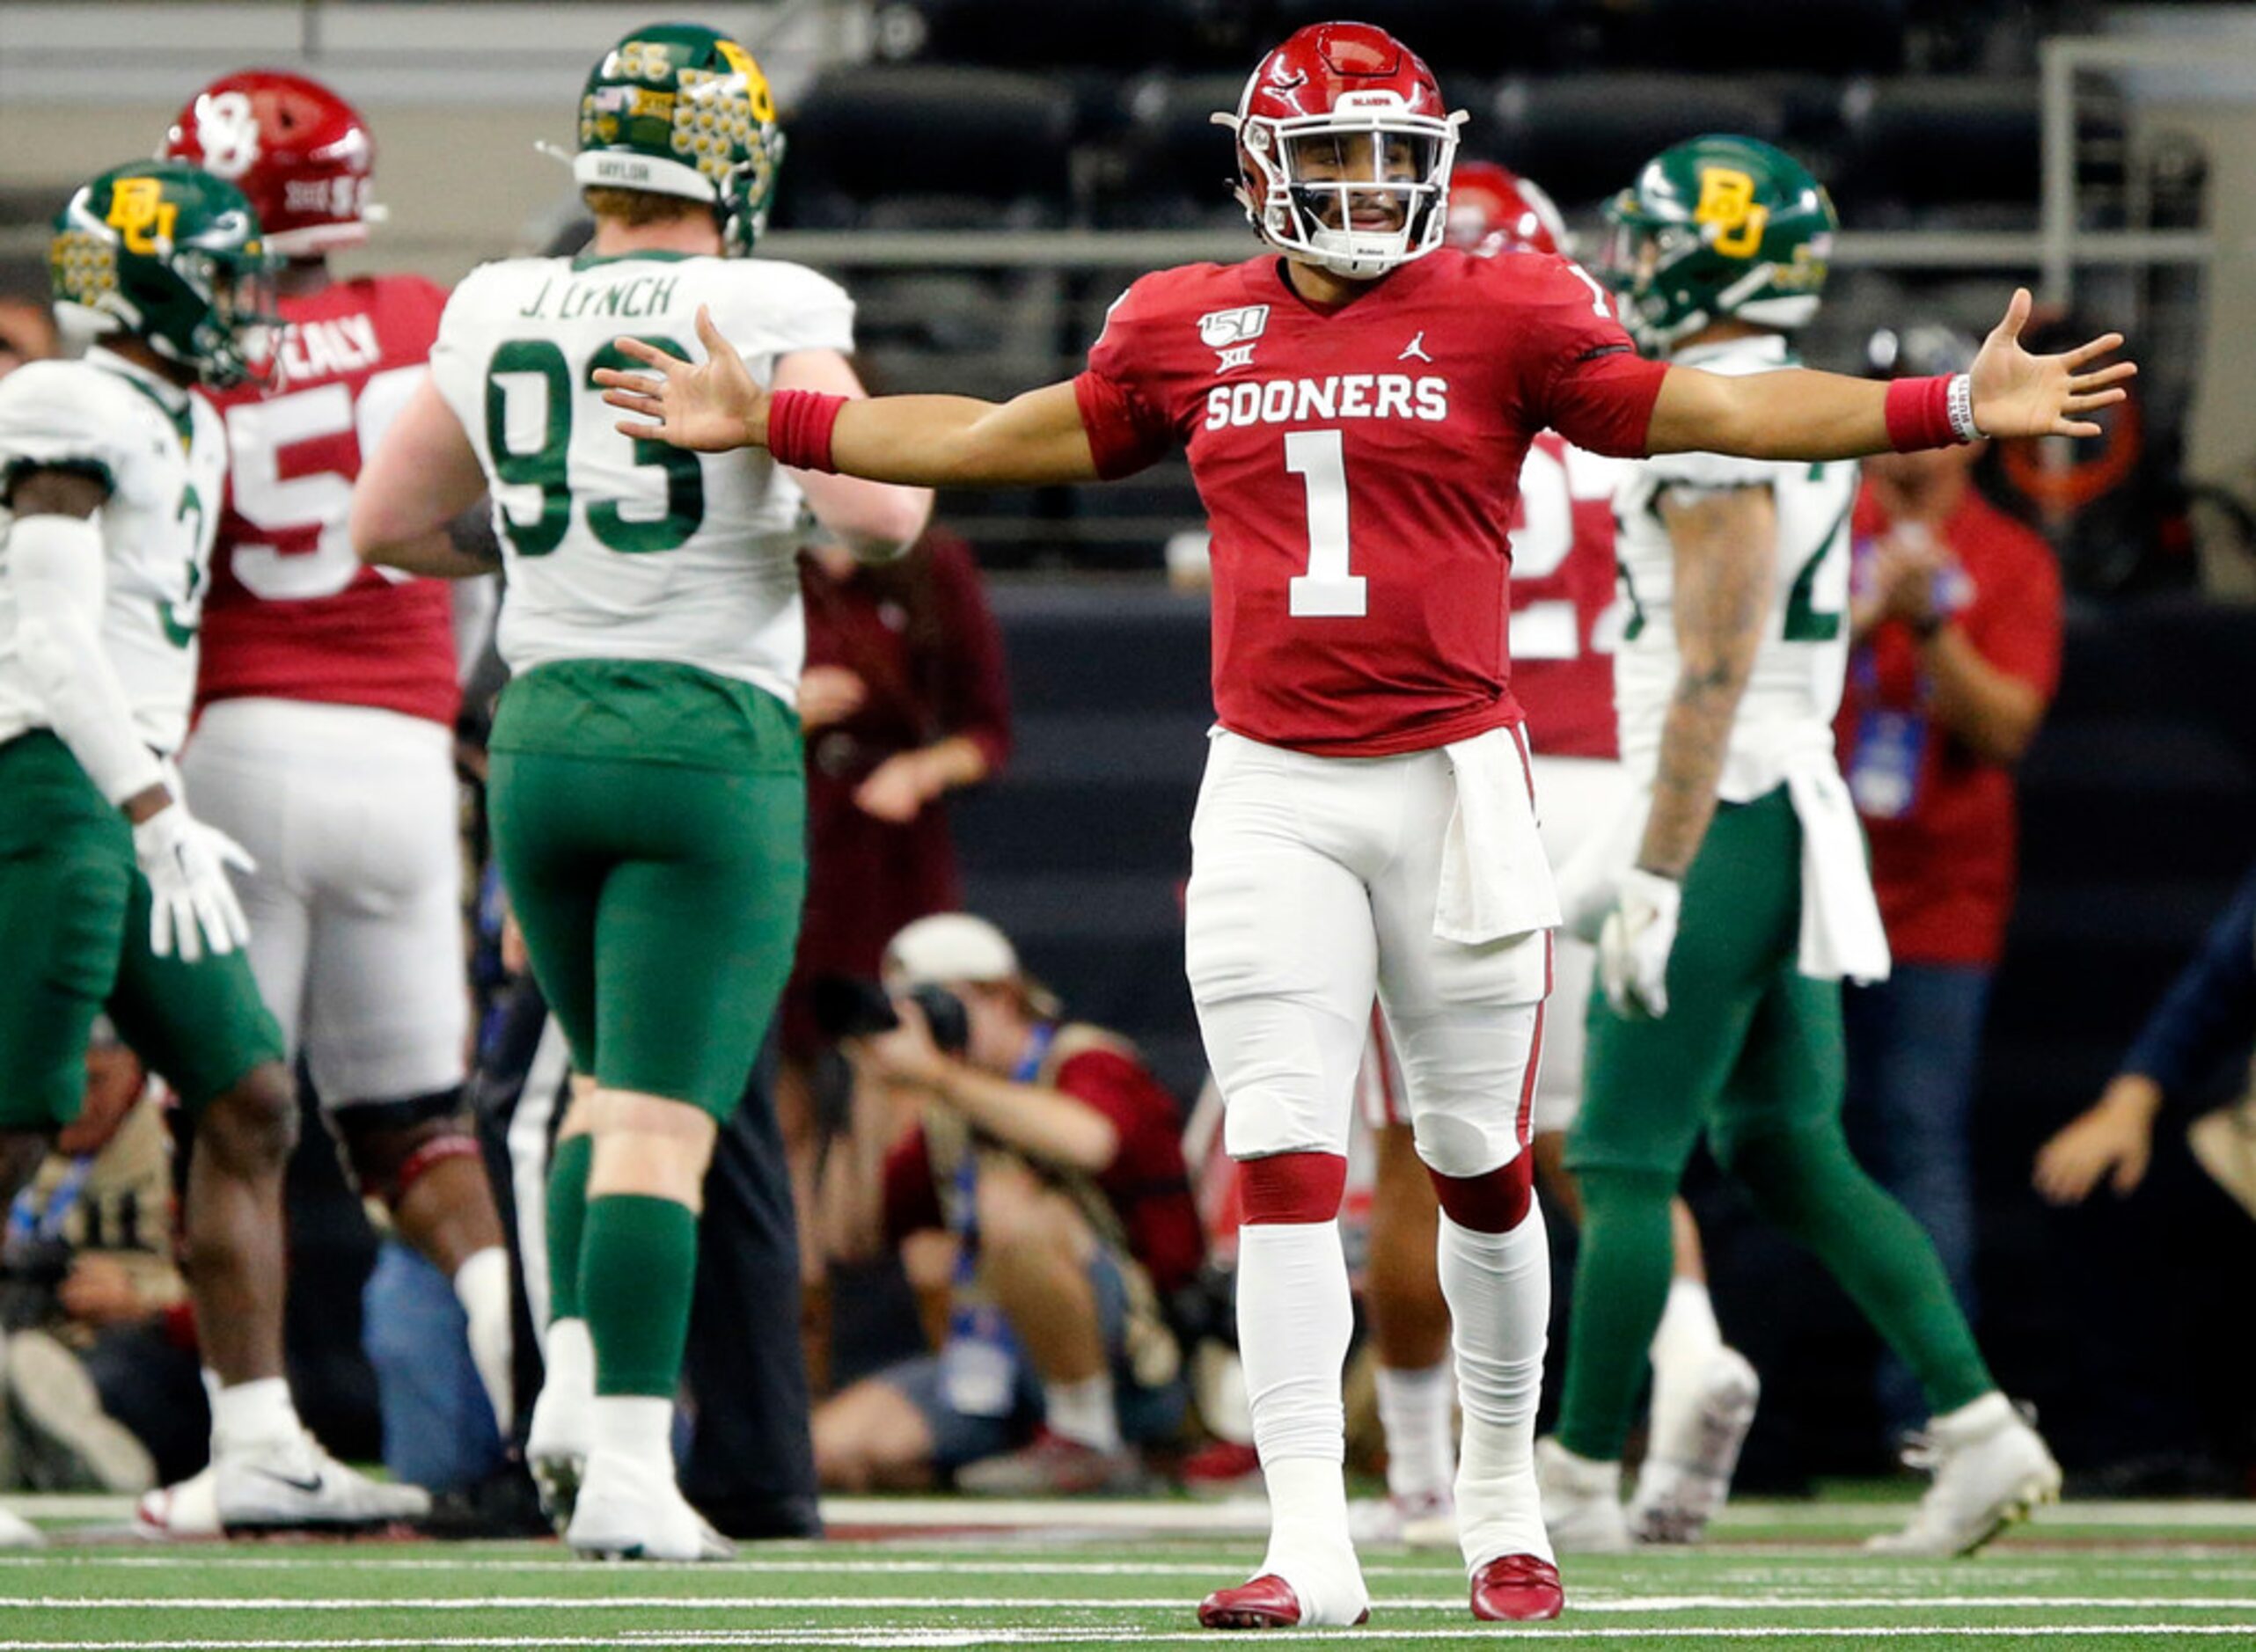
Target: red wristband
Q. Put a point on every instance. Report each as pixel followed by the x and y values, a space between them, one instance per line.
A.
pixel 799 424
pixel 1919 414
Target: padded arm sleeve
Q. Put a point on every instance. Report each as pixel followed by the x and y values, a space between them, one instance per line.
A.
pixel 55 575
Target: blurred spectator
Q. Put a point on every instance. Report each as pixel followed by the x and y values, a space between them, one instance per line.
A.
pixel 26 333
pixel 2209 1013
pixel 100 1357
pixel 1956 619
pixel 1050 1155
pixel 903 701
pixel 439 1429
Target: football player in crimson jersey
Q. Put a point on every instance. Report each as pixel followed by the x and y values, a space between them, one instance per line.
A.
pixel 1356 403
pixel 1564 625
pixel 327 699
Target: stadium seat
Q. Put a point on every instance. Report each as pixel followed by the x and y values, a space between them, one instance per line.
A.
pixel 1108 36
pixel 1172 166
pixel 1962 149
pixel 1457 38
pixel 1583 137
pixel 929 147
pixel 1830 37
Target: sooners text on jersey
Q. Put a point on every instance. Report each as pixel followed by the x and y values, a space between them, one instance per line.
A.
pixel 293 614
pixel 1565 618
pixel 1360 468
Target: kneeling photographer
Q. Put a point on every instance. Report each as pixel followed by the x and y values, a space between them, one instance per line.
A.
pixel 1050 1156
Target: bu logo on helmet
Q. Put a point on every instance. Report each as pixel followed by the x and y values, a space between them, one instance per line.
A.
pixel 137 205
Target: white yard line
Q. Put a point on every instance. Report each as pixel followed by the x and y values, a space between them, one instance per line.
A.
pixel 884 1639
pixel 1251 1514
pixel 1772 1601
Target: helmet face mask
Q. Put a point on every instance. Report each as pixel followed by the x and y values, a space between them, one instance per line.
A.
pixel 1345 151
pixel 679 110
pixel 175 258
pixel 1716 228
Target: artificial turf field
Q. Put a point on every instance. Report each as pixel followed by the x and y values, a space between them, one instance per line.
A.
pixel 1778 1576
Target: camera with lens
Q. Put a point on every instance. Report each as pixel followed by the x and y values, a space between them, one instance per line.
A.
pixel 848 1006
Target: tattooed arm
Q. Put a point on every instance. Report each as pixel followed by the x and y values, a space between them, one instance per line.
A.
pixel 1726 557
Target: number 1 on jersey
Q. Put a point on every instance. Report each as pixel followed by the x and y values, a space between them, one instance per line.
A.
pixel 1327 590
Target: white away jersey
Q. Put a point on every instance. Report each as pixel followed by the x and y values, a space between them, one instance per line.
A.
pixel 1794 686
pixel 618 549
pixel 163 454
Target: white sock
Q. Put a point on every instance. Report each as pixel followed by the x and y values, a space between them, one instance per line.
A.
pixel 482 1284
pixel 252 1414
pixel 1082 1412
pixel 1688 1331
pixel 1687 1334
pixel 567 1389
pixel 1415 1408
pixel 1499 1287
pixel 1295 1318
pixel 638 1427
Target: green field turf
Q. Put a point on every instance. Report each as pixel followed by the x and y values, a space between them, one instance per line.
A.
pixel 1778 1576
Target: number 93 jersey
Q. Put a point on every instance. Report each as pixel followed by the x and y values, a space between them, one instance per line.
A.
pixel 1359 466
pixel 620 549
pixel 161 453
pixel 294 614
pixel 1794 689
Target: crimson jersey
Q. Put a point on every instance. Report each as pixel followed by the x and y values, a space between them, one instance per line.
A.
pixel 1564 624
pixel 1360 467
pixel 293 614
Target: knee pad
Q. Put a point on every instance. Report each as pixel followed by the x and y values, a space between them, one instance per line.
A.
pixel 389 1145
pixel 1292 1188
pixel 1494 1201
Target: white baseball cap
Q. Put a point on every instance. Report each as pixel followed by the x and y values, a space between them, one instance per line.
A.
pixel 949 946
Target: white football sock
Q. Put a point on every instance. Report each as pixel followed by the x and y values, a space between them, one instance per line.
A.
pixel 482 1284
pixel 1082 1412
pixel 1687 1336
pixel 1295 1319
pixel 638 1427
pixel 1414 1409
pixel 1499 1287
pixel 247 1415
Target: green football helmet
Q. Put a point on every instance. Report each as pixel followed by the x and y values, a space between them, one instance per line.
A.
pixel 174 256
pixel 1718 226
pixel 680 110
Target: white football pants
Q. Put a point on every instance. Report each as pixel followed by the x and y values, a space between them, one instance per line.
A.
pixel 356 907
pixel 1314 883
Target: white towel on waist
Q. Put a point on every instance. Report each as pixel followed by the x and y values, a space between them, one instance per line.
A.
pixel 1495 879
pixel 1841 933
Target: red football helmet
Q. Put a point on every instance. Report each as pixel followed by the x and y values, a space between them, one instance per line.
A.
pixel 1356 208
pixel 1493 209
pixel 300 152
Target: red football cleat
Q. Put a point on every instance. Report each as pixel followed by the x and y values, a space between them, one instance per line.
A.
pixel 1266 1603
pixel 1515 1589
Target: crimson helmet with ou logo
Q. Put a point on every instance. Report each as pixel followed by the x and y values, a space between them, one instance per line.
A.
pixel 299 151
pixel 1344 149
pixel 1493 209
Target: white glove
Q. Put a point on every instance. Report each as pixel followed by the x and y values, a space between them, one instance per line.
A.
pixel 191 901
pixel 1634 941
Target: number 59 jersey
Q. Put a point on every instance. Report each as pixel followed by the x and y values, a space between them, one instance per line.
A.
pixel 617 548
pixel 1359 466
pixel 294 614
pixel 1794 689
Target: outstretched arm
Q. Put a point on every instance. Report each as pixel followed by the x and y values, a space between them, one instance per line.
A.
pixel 714 405
pixel 1798 414
pixel 874 522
